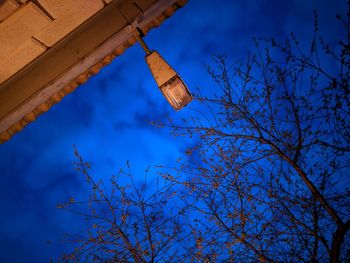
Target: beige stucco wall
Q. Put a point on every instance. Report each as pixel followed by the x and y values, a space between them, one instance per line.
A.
pixel 27 30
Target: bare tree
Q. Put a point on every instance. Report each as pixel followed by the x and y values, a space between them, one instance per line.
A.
pixel 270 174
pixel 267 181
pixel 127 222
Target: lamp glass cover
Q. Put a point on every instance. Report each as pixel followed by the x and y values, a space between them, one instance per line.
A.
pixel 176 92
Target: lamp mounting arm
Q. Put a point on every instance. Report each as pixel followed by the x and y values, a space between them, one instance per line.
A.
pixel 139 34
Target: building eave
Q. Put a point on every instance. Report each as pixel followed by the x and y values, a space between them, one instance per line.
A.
pixel 54 91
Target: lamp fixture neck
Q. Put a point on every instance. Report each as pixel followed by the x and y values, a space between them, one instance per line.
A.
pixel 142 42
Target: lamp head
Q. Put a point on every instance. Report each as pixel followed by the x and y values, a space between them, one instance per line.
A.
pixel 168 81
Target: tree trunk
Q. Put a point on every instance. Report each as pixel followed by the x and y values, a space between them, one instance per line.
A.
pixel 338 238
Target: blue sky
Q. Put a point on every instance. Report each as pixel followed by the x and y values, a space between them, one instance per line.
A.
pixel 108 118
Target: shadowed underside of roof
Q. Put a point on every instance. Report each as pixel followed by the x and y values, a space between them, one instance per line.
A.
pixel 31 89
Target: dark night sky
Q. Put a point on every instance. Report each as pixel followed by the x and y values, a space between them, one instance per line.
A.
pixel 108 117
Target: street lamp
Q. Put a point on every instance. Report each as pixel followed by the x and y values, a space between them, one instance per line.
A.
pixel 168 81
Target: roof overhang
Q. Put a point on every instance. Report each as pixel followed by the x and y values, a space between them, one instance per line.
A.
pixel 69 61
